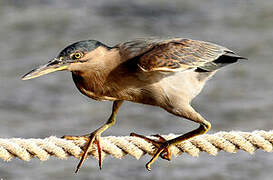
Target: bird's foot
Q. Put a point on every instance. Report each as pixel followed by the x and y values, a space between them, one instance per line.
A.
pixel 94 137
pixel 162 146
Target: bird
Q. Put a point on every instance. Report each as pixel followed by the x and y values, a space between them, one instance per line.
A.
pixel 164 72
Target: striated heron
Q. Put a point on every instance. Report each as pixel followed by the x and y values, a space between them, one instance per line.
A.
pixel 167 73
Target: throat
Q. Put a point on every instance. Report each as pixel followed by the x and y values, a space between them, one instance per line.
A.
pixel 93 85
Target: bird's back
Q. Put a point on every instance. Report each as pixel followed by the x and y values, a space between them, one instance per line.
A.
pixel 176 67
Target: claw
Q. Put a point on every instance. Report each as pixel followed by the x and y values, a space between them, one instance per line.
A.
pixel 158 152
pixel 166 154
pixel 99 152
pixel 162 148
pixel 90 139
pixel 85 151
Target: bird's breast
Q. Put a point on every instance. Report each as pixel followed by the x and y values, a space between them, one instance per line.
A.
pixel 91 88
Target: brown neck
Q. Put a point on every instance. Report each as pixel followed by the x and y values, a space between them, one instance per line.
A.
pixel 93 74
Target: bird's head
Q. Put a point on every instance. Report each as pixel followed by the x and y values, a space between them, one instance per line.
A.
pixel 75 53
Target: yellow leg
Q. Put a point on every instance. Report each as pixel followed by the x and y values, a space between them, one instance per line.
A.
pixel 94 137
pixel 163 145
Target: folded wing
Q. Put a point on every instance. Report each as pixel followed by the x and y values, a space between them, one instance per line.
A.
pixel 177 54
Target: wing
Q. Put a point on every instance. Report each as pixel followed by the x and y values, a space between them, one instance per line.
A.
pixel 177 54
pixel 138 47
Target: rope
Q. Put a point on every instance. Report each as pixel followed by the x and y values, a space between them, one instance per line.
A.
pixel 118 147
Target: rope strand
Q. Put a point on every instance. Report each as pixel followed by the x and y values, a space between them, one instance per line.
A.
pixel 118 147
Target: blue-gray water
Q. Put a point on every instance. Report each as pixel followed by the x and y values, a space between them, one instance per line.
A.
pixel 239 97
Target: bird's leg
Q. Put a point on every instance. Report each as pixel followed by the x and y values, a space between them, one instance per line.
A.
pixel 164 145
pixel 94 137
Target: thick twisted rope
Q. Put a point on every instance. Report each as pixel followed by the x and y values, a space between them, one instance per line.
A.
pixel 118 147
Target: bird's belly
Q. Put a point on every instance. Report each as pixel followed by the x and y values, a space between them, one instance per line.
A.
pixel 187 84
pixel 182 87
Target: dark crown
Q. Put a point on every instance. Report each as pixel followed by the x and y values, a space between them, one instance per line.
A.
pixel 83 46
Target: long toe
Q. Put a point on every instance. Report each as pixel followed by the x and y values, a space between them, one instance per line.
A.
pixel 163 149
pixel 97 142
pixel 75 138
pixel 90 139
pixel 93 138
pixel 162 146
pixel 156 143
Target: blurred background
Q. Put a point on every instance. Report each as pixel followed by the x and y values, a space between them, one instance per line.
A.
pixel 239 97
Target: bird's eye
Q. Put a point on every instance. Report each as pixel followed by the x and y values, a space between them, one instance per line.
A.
pixel 76 55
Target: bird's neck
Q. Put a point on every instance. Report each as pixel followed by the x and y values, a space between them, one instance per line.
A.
pixel 93 77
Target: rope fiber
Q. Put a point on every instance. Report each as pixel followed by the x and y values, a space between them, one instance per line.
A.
pixel 118 147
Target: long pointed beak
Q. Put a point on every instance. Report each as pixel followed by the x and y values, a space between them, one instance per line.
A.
pixel 51 66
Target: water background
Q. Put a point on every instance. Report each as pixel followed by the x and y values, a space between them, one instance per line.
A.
pixel 239 97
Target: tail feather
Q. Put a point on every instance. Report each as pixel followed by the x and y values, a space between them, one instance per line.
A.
pixel 225 59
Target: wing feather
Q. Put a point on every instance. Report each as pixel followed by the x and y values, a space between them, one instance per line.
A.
pixel 176 54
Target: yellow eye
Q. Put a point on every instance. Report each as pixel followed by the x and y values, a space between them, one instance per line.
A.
pixel 76 55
